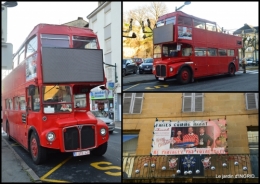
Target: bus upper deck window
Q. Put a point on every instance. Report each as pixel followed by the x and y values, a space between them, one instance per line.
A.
pixel 49 40
pixel 83 42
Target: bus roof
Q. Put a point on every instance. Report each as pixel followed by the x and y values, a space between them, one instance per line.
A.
pixel 57 29
pixel 168 15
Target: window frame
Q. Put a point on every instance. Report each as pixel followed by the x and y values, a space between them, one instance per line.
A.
pixel 256 100
pixel 133 98
pixel 192 97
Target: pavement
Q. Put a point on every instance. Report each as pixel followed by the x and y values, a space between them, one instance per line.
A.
pixel 14 169
pixel 133 79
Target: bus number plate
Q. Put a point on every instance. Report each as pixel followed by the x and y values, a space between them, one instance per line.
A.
pixel 81 153
pixel 160 78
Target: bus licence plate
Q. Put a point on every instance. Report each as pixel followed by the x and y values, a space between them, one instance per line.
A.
pixel 81 153
pixel 160 78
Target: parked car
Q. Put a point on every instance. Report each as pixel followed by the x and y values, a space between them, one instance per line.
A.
pixel 146 66
pixel 110 123
pixel 249 61
pixel 138 61
pixel 255 63
pixel 129 66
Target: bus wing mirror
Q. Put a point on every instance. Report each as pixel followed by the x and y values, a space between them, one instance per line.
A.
pixel 32 90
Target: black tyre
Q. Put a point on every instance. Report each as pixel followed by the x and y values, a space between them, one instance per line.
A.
pixel 111 132
pixel 38 152
pixel 135 71
pixel 231 70
pixel 124 72
pixel 8 131
pixel 101 150
pixel 140 72
pixel 184 76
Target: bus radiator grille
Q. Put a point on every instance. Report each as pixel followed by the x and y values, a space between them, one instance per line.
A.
pixel 71 138
pixel 161 70
pixel 72 134
pixel 87 137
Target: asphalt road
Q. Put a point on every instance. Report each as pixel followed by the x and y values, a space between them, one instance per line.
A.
pixel 240 82
pixel 63 167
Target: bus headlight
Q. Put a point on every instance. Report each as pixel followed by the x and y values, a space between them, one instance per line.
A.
pixel 171 69
pixel 50 136
pixel 103 131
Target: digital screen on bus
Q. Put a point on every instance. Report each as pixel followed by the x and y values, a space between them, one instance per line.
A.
pixel 62 65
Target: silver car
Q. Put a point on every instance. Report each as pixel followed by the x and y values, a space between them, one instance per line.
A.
pixel 110 123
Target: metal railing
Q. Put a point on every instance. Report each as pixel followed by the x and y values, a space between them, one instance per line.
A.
pixel 190 166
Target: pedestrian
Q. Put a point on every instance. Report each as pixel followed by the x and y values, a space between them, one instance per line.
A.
pixel 244 63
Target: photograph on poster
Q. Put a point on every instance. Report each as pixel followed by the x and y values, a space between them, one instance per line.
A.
pixel 189 137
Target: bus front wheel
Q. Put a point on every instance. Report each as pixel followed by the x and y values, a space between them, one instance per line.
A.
pixel 38 152
pixel 231 70
pixel 101 150
pixel 184 76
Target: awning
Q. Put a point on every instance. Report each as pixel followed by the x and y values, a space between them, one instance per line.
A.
pixel 129 137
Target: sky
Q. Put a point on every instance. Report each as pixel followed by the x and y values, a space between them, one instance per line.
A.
pixel 230 15
pixel 26 15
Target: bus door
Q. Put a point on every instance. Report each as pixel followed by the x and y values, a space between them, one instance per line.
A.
pixel 31 117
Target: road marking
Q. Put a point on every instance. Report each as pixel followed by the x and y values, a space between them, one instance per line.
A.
pixel 157 87
pixel 15 144
pixel 131 87
pixel 115 132
pixel 43 178
pixel 96 165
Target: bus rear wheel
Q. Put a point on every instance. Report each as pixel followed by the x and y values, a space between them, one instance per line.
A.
pixel 231 70
pixel 184 76
pixel 38 152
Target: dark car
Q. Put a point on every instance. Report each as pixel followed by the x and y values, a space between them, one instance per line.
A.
pixel 146 66
pixel 138 61
pixel 129 66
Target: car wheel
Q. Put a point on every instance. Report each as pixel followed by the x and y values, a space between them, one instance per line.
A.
pixel 135 71
pixel 101 150
pixel 38 152
pixel 184 76
pixel 124 72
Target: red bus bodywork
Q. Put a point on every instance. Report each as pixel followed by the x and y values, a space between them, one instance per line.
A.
pixel 199 48
pixel 33 121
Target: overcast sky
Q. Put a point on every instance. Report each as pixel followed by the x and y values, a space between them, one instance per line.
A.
pixel 26 15
pixel 230 15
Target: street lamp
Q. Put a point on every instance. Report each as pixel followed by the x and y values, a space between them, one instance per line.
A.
pixel 10 4
pixel 185 3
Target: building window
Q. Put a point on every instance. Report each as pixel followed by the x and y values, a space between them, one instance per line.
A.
pixel 108 45
pixel 108 17
pixel 132 103
pixel 192 102
pixel 251 101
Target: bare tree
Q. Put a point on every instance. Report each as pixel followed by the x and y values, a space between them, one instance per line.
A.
pixel 157 9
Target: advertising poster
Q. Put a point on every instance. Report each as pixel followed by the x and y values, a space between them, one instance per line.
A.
pixel 184 33
pixel 31 67
pixel 189 137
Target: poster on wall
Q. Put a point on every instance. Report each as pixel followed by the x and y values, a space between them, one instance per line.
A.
pixel 184 33
pixel 189 137
pixel 31 67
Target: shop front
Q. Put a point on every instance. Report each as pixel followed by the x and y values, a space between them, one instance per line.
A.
pixel 103 101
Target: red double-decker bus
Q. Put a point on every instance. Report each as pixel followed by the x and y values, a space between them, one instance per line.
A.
pixel 188 47
pixel 45 98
